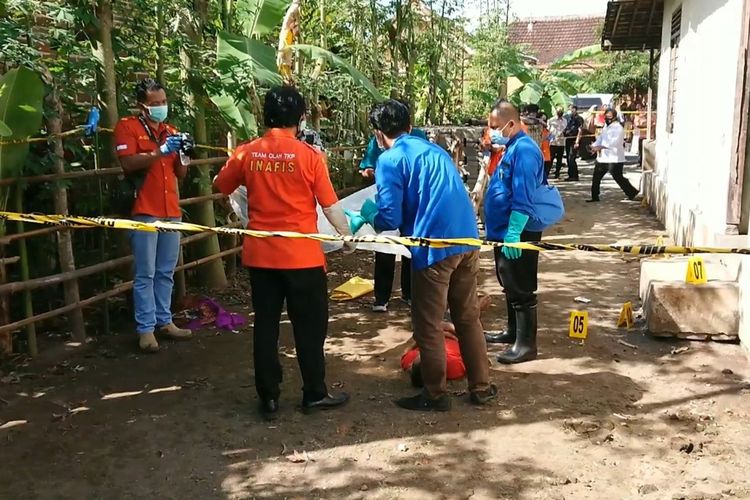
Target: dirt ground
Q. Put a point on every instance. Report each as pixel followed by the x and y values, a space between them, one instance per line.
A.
pixel 594 420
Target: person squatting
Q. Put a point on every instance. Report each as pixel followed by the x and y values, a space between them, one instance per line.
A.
pixel 420 192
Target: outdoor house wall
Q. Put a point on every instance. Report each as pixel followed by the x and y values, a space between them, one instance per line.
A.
pixel 689 186
pixel 690 182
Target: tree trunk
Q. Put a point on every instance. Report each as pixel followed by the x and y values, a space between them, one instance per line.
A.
pixel 374 30
pixel 212 273
pixel 411 58
pixel 104 53
pixel 53 121
pixel 159 34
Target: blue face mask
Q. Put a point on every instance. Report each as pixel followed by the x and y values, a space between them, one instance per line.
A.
pixel 497 137
pixel 158 113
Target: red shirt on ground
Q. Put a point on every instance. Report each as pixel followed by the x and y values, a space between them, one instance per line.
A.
pixel 284 179
pixel 158 196
pixel 455 363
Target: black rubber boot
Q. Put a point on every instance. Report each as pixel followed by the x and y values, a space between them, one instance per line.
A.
pixel 524 349
pixel 504 336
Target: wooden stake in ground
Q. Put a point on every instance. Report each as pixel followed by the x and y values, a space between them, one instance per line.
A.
pixel 60 199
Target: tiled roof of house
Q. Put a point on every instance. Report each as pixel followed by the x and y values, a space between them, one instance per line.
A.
pixel 548 39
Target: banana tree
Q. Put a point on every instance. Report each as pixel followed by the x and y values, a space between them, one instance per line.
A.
pixel 21 95
pixel 245 63
pixel 552 86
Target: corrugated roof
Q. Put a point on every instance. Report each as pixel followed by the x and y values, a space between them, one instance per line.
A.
pixel 548 39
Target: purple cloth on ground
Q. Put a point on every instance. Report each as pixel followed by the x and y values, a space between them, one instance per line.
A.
pixel 224 319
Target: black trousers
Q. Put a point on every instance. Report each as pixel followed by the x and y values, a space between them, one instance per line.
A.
pixel 385 269
pixel 571 154
pixel 558 152
pixel 518 277
pixel 306 294
pixel 615 169
pixel 547 169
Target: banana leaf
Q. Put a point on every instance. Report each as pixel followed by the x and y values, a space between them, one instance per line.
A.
pixel 584 54
pixel 532 92
pixel 21 96
pixel 261 16
pixel 236 53
pixel 237 114
pixel 5 130
pixel 314 52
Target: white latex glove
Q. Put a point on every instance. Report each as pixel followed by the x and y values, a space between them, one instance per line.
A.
pixel 336 216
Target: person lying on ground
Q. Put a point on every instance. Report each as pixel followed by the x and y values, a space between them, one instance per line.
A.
pixel 455 369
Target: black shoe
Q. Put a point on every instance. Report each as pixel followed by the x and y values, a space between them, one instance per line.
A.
pixel 484 396
pixel 634 197
pixel 416 375
pixel 593 200
pixel 421 402
pixel 571 179
pixel 524 349
pixel 557 175
pixel 501 337
pixel 269 409
pixel 329 402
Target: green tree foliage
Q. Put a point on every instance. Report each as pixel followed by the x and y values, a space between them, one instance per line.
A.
pixel 621 73
pixel 552 86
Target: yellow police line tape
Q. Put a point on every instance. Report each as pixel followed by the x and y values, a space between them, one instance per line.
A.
pixel 113 223
pixel 80 130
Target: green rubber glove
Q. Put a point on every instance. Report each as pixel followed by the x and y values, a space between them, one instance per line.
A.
pixel 356 221
pixel 368 211
pixel 515 228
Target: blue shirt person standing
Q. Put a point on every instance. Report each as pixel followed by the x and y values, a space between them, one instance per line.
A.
pixel 420 193
pixel 385 263
pixel 511 216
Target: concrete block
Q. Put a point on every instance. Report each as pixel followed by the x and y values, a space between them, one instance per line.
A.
pixel 718 268
pixel 696 312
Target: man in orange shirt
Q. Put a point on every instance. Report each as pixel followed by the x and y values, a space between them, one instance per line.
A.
pixel 285 180
pixel 148 151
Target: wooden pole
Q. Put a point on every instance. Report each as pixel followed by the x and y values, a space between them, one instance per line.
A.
pixel 53 120
pixel 119 289
pixel 649 112
pixel 28 304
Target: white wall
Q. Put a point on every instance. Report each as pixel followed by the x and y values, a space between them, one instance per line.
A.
pixel 690 184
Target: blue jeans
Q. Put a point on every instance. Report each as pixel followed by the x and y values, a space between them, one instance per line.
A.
pixel 155 259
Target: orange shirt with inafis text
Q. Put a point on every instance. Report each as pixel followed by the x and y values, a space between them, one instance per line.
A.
pixel 285 178
pixel 158 196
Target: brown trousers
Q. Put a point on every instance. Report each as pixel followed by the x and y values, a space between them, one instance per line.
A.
pixel 451 282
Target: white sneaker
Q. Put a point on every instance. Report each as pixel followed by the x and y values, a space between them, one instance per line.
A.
pixel 380 308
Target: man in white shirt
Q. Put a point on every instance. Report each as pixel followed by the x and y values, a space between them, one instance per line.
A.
pixel 610 146
pixel 557 126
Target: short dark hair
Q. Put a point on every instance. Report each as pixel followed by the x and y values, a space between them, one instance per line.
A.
pixel 145 86
pixel 573 106
pixel 283 107
pixel 499 104
pixel 390 117
pixel 611 110
pixel 532 108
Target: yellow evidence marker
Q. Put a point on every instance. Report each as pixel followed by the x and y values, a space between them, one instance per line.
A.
pixel 579 325
pixel 626 315
pixel 696 271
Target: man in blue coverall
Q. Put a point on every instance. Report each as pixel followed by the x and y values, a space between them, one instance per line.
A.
pixel 420 192
pixel 385 263
pixel 509 213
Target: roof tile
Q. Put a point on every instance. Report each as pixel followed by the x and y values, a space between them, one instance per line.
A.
pixel 549 39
